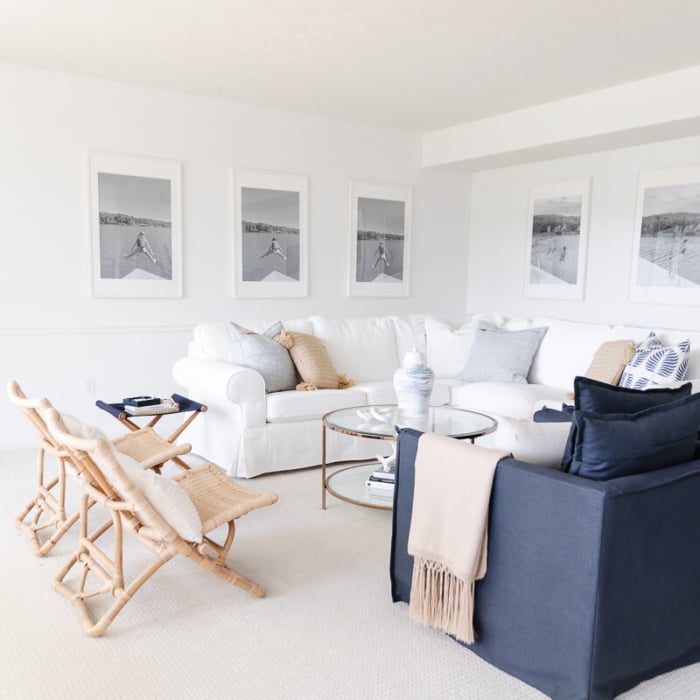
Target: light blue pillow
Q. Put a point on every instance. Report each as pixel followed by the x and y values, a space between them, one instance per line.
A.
pixel 502 356
pixel 265 355
pixel 619 444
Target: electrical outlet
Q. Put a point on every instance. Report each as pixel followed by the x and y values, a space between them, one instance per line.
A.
pixel 89 386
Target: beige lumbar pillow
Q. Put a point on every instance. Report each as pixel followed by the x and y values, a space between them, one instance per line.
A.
pixel 311 359
pixel 610 360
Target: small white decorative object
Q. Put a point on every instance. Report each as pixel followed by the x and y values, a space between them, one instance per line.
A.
pixel 413 383
pixel 388 463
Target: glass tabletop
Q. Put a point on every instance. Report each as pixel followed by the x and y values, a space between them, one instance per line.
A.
pixel 380 421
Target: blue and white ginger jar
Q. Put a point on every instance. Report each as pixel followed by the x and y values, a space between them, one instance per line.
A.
pixel 413 383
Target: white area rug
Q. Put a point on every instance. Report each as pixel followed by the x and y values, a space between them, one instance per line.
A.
pixel 327 629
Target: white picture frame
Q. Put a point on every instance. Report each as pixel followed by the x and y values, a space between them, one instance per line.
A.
pixel 557 240
pixel 379 240
pixel 270 234
pixel 666 251
pixel 135 229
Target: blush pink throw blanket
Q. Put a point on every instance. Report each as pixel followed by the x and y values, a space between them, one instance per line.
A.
pixel 449 531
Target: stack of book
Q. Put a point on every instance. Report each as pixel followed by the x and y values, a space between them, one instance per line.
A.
pixel 147 408
pixel 380 483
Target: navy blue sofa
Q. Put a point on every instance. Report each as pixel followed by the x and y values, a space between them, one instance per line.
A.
pixel 592 586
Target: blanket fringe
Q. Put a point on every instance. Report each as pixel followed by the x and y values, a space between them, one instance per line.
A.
pixel 442 600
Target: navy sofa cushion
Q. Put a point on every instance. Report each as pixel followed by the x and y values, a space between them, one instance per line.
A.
pixel 599 397
pixel 611 445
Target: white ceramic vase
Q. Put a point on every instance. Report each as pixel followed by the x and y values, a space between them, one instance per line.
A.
pixel 413 383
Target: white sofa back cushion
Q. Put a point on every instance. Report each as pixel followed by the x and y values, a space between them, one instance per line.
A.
pixel 410 334
pixel 364 349
pixel 565 351
pixel 212 339
pixel 447 348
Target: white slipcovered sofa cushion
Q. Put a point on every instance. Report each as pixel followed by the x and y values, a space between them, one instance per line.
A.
pixel 285 406
pixel 364 349
pixel 565 351
pixel 514 400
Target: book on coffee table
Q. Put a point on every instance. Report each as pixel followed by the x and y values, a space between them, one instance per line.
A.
pixel 379 488
pixel 381 475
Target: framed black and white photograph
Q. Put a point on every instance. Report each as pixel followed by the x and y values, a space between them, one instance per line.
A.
pixel 135 226
pixel 271 234
pixel 666 255
pixel 380 233
pixel 557 240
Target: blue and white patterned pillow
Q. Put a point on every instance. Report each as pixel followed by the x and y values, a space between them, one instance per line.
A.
pixel 656 364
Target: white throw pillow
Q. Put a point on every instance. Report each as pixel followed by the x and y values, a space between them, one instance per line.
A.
pixel 170 500
pixel 536 443
pixel 79 429
pixel 656 364
pixel 447 348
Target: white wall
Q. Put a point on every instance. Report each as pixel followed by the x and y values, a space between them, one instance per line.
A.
pixel 53 335
pixel 498 236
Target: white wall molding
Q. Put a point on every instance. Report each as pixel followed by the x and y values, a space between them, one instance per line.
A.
pixel 93 331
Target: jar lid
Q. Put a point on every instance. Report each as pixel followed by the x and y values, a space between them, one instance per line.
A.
pixel 414 357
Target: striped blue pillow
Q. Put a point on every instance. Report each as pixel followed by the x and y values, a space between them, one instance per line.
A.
pixel 656 364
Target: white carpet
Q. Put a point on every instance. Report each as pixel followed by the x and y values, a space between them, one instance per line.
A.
pixel 327 629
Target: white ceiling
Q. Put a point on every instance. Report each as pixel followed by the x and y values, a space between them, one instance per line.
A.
pixel 417 65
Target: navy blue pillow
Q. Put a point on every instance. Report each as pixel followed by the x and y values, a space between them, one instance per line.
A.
pixel 599 397
pixel 619 444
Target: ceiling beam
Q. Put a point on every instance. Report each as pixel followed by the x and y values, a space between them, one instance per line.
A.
pixel 653 109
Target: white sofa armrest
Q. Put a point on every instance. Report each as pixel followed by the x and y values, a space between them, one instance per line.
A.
pixel 219 383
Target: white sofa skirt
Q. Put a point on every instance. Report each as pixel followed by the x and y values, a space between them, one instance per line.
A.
pixel 276 446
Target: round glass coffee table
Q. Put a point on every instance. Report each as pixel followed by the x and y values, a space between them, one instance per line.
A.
pixel 380 422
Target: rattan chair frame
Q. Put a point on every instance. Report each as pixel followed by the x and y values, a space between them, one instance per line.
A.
pixel 218 500
pixel 47 507
pixel 46 511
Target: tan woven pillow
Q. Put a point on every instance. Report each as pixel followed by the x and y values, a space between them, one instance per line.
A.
pixel 609 361
pixel 311 359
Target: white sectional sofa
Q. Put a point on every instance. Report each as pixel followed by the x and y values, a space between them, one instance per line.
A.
pixel 248 432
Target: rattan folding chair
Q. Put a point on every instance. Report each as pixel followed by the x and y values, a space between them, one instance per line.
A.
pixel 217 500
pixel 46 511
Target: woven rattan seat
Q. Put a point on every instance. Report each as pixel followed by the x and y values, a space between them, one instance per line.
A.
pixel 149 448
pixel 218 500
pixel 99 555
pixel 44 518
